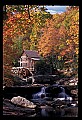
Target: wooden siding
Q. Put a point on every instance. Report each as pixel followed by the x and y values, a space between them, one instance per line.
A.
pixel 28 59
pixel 26 62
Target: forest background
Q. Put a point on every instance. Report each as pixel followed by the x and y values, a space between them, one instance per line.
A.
pixel 31 27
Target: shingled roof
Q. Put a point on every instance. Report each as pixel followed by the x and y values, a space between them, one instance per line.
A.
pixel 32 53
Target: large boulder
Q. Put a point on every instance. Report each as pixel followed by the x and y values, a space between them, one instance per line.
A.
pixel 23 102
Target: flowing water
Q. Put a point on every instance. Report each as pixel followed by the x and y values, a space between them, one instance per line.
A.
pixel 40 94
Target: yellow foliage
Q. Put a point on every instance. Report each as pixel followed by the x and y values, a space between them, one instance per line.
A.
pixel 59 57
pixel 18 15
pixel 77 51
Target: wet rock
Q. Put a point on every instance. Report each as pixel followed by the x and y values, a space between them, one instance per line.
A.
pixel 12 109
pixel 75 92
pixel 34 115
pixel 71 112
pixel 23 102
pixel 39 101
pixel 59 112
pixel 59 102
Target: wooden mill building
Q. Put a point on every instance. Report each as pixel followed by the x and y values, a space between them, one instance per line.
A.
pixel 28 59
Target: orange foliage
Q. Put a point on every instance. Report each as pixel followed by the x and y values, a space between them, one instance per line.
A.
pixel 13 27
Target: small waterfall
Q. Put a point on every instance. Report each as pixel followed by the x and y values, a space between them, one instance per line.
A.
pixel 39 94
pixel 43 89
pixel 63 89
pixel 63 95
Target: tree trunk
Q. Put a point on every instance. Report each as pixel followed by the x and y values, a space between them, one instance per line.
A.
pixel 28 12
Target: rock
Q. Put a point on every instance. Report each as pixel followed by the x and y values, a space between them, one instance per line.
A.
pixel 11 109
pixel 34 115
pixel 74 91
pixel 23 102
pixel 71 112
pixel 59 102
pixel 59 112
pixel 39 101
pixel 50 103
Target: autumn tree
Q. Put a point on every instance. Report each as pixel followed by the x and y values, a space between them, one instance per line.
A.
pixel 61 36
pixel 17 29
pixel 15 25
pixel 40 17
pixel 56 37
pixel 73 39
pixel 42 67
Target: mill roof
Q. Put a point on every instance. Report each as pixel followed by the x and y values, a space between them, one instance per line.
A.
pixel 32 53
